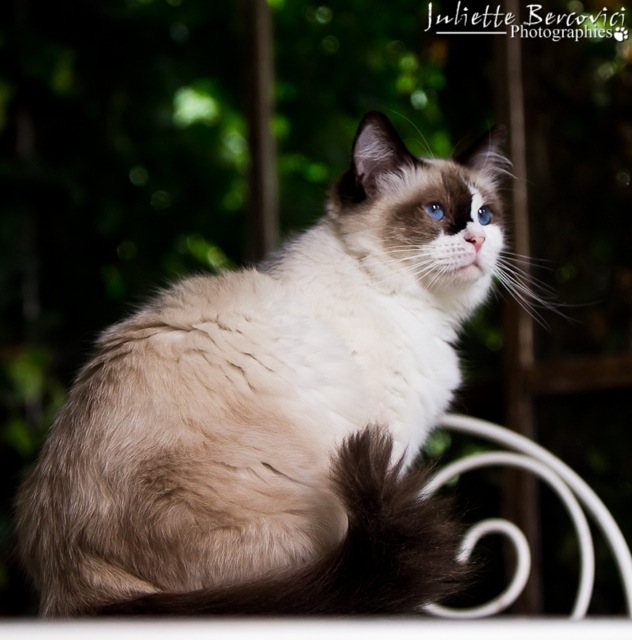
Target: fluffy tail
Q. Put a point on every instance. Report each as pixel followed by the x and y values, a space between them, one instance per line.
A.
pixel 398 553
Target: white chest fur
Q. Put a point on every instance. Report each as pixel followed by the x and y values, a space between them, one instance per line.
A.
pixel 407 367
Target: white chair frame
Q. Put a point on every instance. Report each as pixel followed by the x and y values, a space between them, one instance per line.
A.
pixel 572 491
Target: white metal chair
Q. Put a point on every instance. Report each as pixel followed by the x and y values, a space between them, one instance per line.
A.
pixel 574 493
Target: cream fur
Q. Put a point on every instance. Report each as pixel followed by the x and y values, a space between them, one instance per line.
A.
pixel 194 448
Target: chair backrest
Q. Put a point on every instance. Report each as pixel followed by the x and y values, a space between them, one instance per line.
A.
pixel 575 494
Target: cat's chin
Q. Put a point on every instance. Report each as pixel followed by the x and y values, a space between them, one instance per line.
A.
pixel 468 273
pixel 458 277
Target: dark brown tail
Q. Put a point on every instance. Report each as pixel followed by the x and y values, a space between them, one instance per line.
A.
pixel 399 552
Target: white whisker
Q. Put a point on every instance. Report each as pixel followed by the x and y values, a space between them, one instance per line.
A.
pixel 528 281
pixel 527 290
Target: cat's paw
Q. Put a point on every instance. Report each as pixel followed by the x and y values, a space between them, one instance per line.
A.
pixel 621 34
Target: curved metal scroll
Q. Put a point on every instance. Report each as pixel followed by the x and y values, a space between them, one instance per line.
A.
pixel 572 491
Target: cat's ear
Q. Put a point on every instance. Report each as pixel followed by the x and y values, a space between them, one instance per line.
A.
pixel 488 154
pixel 377 151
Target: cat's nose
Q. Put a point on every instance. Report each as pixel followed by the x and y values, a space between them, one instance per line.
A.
pixel 476 240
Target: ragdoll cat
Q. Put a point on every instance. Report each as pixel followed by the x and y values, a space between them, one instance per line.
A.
pixel 244 443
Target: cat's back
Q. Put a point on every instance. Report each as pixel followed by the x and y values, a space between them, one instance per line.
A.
pixel 227 369
pixel 207 352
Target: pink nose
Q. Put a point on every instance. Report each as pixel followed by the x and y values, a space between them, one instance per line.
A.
pixel 477 241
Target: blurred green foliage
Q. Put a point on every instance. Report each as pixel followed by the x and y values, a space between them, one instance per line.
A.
pixel 124 164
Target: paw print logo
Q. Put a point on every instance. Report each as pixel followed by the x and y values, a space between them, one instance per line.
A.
pixel 621 34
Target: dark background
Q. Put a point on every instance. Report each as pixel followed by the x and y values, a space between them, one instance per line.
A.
pixel 124 164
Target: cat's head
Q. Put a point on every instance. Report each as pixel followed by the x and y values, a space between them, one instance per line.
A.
pixel 437 220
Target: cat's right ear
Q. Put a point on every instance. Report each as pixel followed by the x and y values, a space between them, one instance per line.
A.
pixel 377 151
pixel 487 153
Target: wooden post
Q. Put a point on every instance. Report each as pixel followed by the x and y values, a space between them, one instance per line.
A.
pixel 262 219
pixel 521 503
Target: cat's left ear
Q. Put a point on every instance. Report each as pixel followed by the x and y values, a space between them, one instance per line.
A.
pixel 377 151
pixel 488 154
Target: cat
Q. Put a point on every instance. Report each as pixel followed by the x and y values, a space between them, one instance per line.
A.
pixel 245 442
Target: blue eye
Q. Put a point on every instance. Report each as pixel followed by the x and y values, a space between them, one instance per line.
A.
pixel 484 215
pixel 435 211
